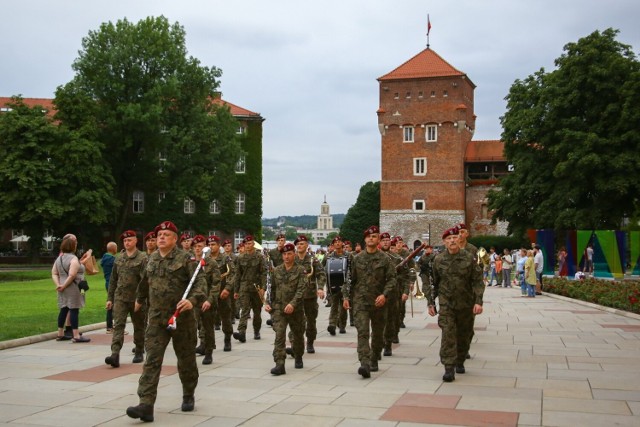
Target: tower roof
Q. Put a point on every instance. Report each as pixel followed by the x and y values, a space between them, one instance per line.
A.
pixel 427 63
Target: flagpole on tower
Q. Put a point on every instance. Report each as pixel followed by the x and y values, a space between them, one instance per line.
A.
pixel 428 29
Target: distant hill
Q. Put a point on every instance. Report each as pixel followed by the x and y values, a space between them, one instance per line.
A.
pixel 303 221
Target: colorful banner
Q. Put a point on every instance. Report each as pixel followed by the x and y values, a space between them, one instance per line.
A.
pixel 546 239
pixel 583 240
pixel 634 249
pixel 571 261
pixel 607 257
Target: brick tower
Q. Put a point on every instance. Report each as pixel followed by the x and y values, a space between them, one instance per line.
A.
pixel 426 122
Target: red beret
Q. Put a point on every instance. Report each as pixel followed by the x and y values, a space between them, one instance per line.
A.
pixel 198 239
pixel 248 238
pixel 394 240
pixel 398 238
pixel 185 236
pixel 280 236
pixel 227 242
pixel 450 232
pixel 385 235
pixel 300 238
pixel 461 226
pixel 336 239
pixel 150 235
pixel 241 245
pixel 128 233
pixel 166 225
pixel 347 242
pixel 288 248
pixel 371 230
pixel 213 239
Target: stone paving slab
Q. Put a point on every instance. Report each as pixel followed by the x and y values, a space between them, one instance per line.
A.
pixel 549 361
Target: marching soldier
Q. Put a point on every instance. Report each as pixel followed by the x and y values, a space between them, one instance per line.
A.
pixel 403 251
pixel 206 312
pixel 185 242
pixel 226 267
pixel 373 279
pixel 125 276
pixel 150 242
pixel 235 308
pixel 337 314
pixel 250 282
pixel 457 283
pixel 463 235
pixel 166 277
pixel 425 265
pixel 275 254
pixel 285 305
pixel 316 281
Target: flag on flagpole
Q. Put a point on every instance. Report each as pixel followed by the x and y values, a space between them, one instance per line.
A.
pixel 428 24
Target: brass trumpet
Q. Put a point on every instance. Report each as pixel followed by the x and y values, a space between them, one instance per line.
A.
pixel 419 294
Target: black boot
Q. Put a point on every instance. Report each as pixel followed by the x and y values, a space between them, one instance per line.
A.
pixel 256 335
pixel 113 360
pixel 200 349
pixel 240 336
pixel 374 366
pixel 364 370
pixel 227 343
pixel 299 364
pixel 289 351
pixel 269 322
pixel 188 403
pixel 387 350
pixel 142 411
pixel 217 328
pixel 208 359
pixel 449 374
pixel 343 331
pixel 138 357
pixel 278 369
pixel 396 340
pixel 331 329
pixel 460 368
pixel 310 348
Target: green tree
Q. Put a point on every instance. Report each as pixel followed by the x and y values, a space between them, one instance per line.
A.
pixel 152 109
pixel 51 178
pixel 327 240
pixel 364 213
pixel 572 136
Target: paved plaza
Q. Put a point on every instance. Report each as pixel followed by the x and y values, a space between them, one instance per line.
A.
pixel 545 361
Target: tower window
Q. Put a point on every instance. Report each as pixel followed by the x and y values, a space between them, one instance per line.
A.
pixel 432 133
pixel 408 134
pixel 420 94
pixel 396 95
pixel 433 93
pixel 418 205
pixel 408 95
pixel 420 166
pixel 445 93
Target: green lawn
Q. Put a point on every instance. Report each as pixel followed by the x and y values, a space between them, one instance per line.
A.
pixel 30 307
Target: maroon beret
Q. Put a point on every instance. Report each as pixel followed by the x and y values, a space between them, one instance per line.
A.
pixel 398 238
pixel 199 238
pixel 300 238
pixel 394 241
pixel 371 230
pixel 385 235
pixel 288 247
pixel 453 231
pixel 280 236
pixel 128 233
pixel 150 235
pixel 347 242
pixel 166 225
pixel 248 238
pixel 336 239
pixel 185 236
pixel 227 242
pixel 461 226
pixel 213 239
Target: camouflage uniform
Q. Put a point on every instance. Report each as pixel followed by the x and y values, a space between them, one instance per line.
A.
pixel 409 265
pixel 163 283
pixel 371 275
pixel 394 302
pixel 337 314
pixel 425 265
pixel 212 290
pixel 125 276
pixel 316 282
pixel 223 314
pixel 287 287
pixel 276 257
pixel 250 272
pixel 457 283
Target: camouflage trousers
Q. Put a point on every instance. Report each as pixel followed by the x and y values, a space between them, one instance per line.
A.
pixel 337 313
pixel 369 323
pixel 457 331
pixel 392 325
pixel 295 321
pixel 157 340
pixel 310 311
pixel 249 301
pixel 206 333
pixel 224 314
pixel 122 309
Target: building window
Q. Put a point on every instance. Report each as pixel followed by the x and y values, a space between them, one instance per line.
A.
pixel 240 201
pixel 241 130
pixel 214 207
pixel 161 196
pixel 238 237
pixel 445 93
pixel 432 133
pixel 420 166
pixel 420 95
pixel 162 161
pixel 138 202
pixel 408 134
pixel 396 95
pixel 214 233
pixel 484 211
pixel 241 164
pixel 408 95
pixel 189 206
pixel 48 240
pixel 418 205
pixel 433 93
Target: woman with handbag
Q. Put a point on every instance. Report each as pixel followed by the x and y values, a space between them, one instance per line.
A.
pixel 67 273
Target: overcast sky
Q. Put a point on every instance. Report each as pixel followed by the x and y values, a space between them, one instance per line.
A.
pixel 310 68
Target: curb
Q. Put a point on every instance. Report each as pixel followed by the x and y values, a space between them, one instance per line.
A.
pixel 18 342
pixel 596 306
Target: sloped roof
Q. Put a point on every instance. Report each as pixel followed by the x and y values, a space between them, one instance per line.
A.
pixel 484 151
pixel 425 64
pixel 236 110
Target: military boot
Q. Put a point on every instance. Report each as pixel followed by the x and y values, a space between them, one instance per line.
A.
pixel 256 335
pixel 289 351
pixel 387 350
pixel 142 411
pixel 240 336
pixel 188 403
pixel 299 364
pixel 113 360
pixel 364 370
pixel 227 343
pixel 200 349
pixel 208 359
pixel 460 368
pixel 373 366
pixel 449 374
pixel 138 357
pixel 278 369
pixel 331 329
pixel 310 348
